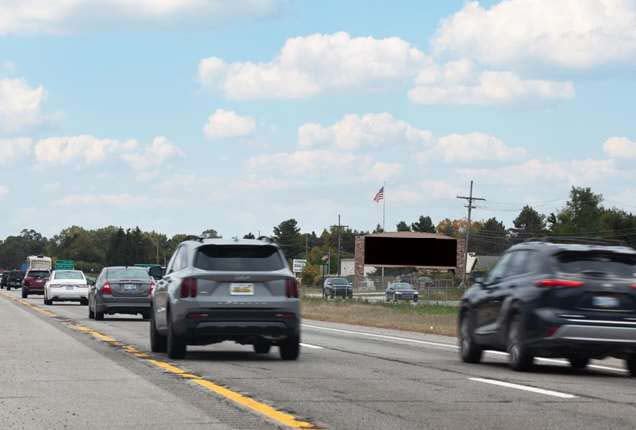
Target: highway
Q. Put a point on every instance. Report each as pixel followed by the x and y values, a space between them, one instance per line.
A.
pixel 59 369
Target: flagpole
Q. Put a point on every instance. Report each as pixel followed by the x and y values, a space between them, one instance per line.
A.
pixel 383 222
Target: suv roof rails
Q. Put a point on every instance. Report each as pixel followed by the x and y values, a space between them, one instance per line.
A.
pixel 577 240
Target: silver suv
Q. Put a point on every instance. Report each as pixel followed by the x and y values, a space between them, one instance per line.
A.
pixel 216 290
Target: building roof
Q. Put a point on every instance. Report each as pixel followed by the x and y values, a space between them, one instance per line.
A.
pixel 411 235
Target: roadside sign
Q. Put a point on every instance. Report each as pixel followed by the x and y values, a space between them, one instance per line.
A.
pixel 64 265
pixel 298 265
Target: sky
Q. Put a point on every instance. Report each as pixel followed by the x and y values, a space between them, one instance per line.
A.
pixel 184 115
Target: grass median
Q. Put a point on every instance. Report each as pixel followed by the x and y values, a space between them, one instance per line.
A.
pixel 433 319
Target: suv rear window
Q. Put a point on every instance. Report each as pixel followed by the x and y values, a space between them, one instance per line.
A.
pixel 38 274
pixel 238 258
pixel 597 262
pixel 339 281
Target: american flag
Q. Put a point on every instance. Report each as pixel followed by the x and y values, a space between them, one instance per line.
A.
pixel 379 195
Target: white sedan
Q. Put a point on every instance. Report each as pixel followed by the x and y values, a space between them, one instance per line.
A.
pixel 66 286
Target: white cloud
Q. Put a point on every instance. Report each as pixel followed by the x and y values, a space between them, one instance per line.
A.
pixel 354 131
pixel 424 191
pixel 572 172
pixel 381 171
pixel 13 149
pixel 305 161
pixel 153 155
pixel 123 200
pixel 64 16
pixel 569 33
pixel 4 191
pixel 458 82
pixel 20 105
pixel 620 147
pixel 470 147
pixel 309 65
pixel 85 149
pixel 223 124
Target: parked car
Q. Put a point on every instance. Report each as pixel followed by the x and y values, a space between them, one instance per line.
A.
pixel 120 290
pixel 217 290
pixel 33 282
pixel 553 299
pixel 337 287
pixel 3 279
pixel 66 286
pixel 401 291
pixel 13 279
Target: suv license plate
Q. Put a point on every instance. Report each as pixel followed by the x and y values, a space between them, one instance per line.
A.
pixel 130 287
pixel 606 302
pixel 242 289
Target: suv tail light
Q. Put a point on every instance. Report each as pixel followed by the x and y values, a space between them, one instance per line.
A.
pixel 189 288
pixel 291 288
pixel 106 289
pixel 555 283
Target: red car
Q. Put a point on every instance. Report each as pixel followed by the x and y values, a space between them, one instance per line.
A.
pixel 33 282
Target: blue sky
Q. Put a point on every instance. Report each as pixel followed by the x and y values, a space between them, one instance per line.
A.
pixel 180 115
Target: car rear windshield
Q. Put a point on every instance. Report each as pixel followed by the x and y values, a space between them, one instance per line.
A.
pixel 38 274
pixel 128 274
pixel 403 287
pixel 597 263
pixel 339 281
pixel 68 274
pixel 238 258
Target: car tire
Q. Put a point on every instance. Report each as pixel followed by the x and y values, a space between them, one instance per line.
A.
pixel 91 314
pixel 290 348
pixel 262 347
pixel 99 316
pixel 48 302
pixel 578 362
pixel 25 294
pixel 175 344
pixel 630 364
pixel 520 358
pixel 83 302
pixel 158 342
pixel 469 351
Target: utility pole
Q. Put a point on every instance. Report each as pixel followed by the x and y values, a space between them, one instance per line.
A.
pixel 307 246
pixel 339 227
pixel 470 208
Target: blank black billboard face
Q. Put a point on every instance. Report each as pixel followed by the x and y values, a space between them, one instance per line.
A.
pixel 423 252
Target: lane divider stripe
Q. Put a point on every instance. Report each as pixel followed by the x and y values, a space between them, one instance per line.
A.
pixel 524 388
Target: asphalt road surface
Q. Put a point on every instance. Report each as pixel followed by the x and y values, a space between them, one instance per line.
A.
pixel 58 369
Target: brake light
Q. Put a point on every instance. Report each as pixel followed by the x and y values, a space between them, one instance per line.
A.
pixel 151 288
pixel 291 288
pixel 107 290
pixel 555 283
pixel 27 282
pixel 189 288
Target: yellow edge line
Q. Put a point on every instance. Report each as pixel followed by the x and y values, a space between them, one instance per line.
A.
pixel 266 410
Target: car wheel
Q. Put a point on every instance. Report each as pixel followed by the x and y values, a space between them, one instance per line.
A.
pixel 25 294
pixel 84 302
pixel 157 340
pixel 47 301
pixel 469 351
pixel 290 348
pixel 262 348
pixel 176 345
pixel 99 316
pixel 578 362
pixel 520 357
pixel 91 314
pixel 630 363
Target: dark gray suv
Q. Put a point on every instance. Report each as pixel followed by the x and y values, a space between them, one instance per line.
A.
pixel 216 290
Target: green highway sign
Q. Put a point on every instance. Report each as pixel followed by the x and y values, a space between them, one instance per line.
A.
pixel 64 265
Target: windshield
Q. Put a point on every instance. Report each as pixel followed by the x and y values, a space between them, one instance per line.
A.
pixel 68 274
pixel 339 281
pixel 129 273
pixel 232 258
pixel 402 287
pixel 38 274
pixel 597 263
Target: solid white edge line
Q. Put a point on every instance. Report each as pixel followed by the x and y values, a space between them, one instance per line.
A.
pixel 525 388
pixel 451 346
pixel 307 345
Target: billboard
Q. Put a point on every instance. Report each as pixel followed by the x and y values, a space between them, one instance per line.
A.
pixel 416 250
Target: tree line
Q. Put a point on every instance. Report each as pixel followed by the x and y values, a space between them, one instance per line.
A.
pixel 583 215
